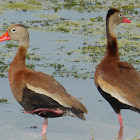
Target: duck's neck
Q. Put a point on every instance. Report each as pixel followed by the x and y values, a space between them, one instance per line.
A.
pixel 19 59
pixel 112 46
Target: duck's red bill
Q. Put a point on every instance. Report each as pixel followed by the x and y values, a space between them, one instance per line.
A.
pixel 125 20
pixel 5 37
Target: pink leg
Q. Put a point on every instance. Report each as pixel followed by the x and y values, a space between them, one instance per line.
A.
pixel 120 134
pixel 44 137
pixel 44 126
pixel 42 110
pixel 120 119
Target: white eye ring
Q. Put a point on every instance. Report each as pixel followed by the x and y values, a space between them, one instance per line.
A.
pixel 13 30
pixel 120 14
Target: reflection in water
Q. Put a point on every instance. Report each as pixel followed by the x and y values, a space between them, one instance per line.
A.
pixel 120 134
pixel 44 137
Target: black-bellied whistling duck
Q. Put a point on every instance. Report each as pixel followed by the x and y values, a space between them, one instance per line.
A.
pixel 37 92
pixel 118 82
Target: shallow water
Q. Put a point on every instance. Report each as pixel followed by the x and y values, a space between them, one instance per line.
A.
pixel 57 53
pixel 101 118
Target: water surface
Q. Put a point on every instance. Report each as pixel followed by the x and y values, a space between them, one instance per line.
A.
pixel 70 56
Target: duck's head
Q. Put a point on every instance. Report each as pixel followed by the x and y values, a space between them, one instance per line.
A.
pixel 17 32
pixel 116 17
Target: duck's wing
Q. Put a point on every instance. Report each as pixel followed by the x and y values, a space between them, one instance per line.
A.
pixel 122 81
pixel 47 86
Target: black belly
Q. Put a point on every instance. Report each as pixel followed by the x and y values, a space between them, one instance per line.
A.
pixel 32 100
pixel 116 104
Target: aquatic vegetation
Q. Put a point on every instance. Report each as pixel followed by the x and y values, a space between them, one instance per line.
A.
pixel 138 25
pixel 128 7
pixel 90 52
pixel 2 100
pixel 75 33
pixel 30 5
pixel 49 16
pixel 35 2
pixel 10 45
pixel 32 56
pixel 69 53
pixel 3 70
pixel 92 19
pixel 31 66
pixel 63 29
pixel 78 5
pixel 69 4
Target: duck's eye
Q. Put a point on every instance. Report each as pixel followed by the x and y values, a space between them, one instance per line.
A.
pixel 13 30
pixel 120 14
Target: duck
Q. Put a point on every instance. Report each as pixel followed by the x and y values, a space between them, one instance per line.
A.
pixel 118 82
pixel 37 92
